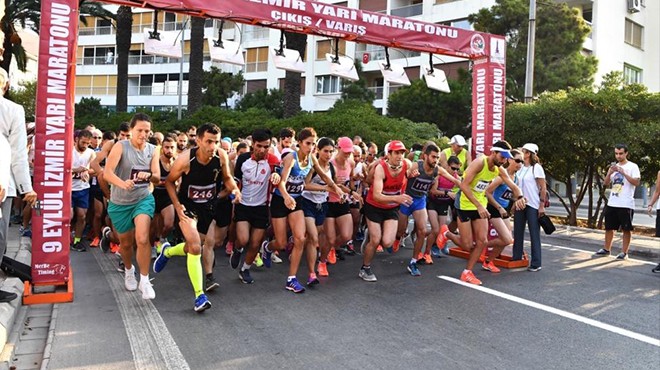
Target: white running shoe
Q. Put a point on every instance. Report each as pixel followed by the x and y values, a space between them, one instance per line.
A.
pixel 130 282
pixel 147 290
pixel 275 258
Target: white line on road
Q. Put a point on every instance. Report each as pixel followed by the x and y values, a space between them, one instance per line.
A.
pixel 556 311
pixel 591 253
pixel 151 343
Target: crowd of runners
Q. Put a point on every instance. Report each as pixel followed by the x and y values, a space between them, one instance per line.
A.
pixel 268 198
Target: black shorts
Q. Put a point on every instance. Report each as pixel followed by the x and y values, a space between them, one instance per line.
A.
pixel 441 207
pixel 279 210
pixel 616 218
pixel 222 212
pixel 162 200
pixel 466 216
pixel 204 213
pixel 495 213
pixel 379 215
pixel 256 216
pixel 95 193
pixel 317 211
pixel 354 205
pixel 336 209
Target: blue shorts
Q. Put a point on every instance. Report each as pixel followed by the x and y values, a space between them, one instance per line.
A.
pixel 122 216
pixel 80 199
pixel 417 204
pixel 317 211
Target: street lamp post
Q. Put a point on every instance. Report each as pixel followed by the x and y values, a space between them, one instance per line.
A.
pixel 531 38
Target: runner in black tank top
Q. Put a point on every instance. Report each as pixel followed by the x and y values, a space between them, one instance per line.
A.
pixel 164 216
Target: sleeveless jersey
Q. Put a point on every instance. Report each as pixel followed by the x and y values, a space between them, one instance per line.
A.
pixel 132 161
pixel 295 183
pixel 200 184
pixel 503 194
pixel 444 185
pixel 318 196
pixel 343 177
pixel 479 185
pixel 419 186
pixel 391 186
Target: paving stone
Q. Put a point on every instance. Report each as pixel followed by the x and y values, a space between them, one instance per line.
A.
pixel 26 347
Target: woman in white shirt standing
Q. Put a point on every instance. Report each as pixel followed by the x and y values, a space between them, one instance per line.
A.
pixel 531 180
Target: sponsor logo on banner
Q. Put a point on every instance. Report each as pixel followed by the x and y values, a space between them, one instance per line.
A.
pixel 477 44
pixel 497 50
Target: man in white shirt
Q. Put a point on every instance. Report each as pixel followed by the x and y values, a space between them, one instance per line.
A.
pixel 624 176
pixel 82 156
pixel 12 127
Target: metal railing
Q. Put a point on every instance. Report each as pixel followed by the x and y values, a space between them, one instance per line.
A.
pixel 407 11
pixel 96 91
pixel 94 31
pixel 380 54
pixel 136 59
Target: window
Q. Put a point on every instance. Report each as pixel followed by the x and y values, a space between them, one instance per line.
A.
pixel 462 23
pixel 328 46
pixel 328 85
pixel 256 60
pixel 631 74
pixel 634 33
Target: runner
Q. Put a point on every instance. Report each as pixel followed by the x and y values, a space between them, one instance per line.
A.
pixel 472 213
pixel 285 207
pixel 457 148
pixel 163 222
pixel 441 196
pixel 285 140
pixel 131 166
pixel 381 207
pixel 200 170
pixel 82 157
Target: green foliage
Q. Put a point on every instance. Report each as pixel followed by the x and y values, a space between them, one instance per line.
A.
pixel 560 33
pixel 219 86
pixel 451 113
pixel 27 97
pixel 89 109
pixel 270 100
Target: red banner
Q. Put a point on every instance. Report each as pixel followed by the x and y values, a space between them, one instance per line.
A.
pixel 54 141
pixel 330 20
pixel 488 98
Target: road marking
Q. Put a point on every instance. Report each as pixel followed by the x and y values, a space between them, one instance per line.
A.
pixel 556 311
pixel 591 253
pixel 151 343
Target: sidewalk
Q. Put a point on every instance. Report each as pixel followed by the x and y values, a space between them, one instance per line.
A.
pixel 639 204
pixel 642 246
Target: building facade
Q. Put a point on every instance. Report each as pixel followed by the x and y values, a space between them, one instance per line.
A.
pixel 625 37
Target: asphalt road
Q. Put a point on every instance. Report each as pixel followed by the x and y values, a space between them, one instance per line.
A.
pixel 578 312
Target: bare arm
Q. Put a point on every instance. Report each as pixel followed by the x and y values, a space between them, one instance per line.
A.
pixel 180 167
pixel 227 178
pixel 656 193
pixel 379 178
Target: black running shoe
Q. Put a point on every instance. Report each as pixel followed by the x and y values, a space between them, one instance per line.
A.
pixel 210 284
pixel 79 247
pixel 235 258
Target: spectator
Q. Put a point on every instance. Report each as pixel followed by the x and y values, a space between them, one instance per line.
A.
pixel 654 200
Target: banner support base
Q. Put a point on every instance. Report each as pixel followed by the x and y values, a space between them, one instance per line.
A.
pixel 63 293
pixel 502 261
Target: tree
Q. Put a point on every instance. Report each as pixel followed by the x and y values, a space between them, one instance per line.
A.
pixel 356 90
pixel 88 110
pixel 271 101
pixel 450 112
pixel 560 33
pixel 295 41
pixel 25 96
pixel 123 37
pixel 220 86
pixel 195 72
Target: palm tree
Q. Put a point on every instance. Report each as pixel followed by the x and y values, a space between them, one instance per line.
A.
pixel 296 41
pixel 196 64
pixel 123 37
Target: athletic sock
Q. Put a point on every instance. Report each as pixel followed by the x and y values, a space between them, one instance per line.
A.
pixel 76 240
pixel 246 266
pixel 144 278
pixel 413 260
pixel 466 271
pixel 291 278
pixel 194 262
pixel 177 250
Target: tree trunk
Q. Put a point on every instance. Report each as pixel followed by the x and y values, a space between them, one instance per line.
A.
pixel 196 69
pixel 123 37
pixel 296 41
pixel 590 215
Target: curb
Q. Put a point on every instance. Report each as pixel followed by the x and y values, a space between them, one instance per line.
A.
pixel 640 246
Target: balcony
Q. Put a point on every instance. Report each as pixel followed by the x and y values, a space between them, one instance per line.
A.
pixel 379 54
pixel 407 11
pixel 96 31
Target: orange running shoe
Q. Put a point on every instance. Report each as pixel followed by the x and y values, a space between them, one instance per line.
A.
pixel 427 259
pixel 468 277
pixel 396 245
pixel 332 256
pixel 441 240
pixel 380 249
pixel 490 266
pixel 323 269
pixel 114 248
pixel 95 242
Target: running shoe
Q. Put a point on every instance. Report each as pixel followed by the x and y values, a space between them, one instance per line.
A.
pixel 435 251
pixel 121 267
pixel 25 232
pixel 622 256
pixel 95 242
pixel 16 219
pixel 427 259
pixel 114 248
pixel 202 303
pixel 340 254
pixel 332 257
pixel 294 286
pixel 147 289
pixel 235 258
pixel 380 249
pixel 228 248
pixel 154 252
pixel 490 266
pixel 534 268
pixel 323 269
pixel 445 250
pixel 656 269
pixel 312 280
pixel 468 277
pixel 78 247
pixel 602 252
pixel 350 248
pixel 414 271
pixel 245 277
pixel 276 259
pixel 210 283
pixel 105 239
pixel 289 245
pixel 266 255
pixel 258 261
pixel 359 236
pixel 366 274
pixel 130 282
pixel 396 245
pixel 441 240
pixel 161 260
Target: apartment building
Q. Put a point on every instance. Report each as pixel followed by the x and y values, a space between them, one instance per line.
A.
pixel 625 37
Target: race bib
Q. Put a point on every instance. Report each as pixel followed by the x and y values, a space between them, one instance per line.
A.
pixel 295 185
pixel 508 194
pixel 134 177
pixel 421 186
pixel 201 194
pixel 481 186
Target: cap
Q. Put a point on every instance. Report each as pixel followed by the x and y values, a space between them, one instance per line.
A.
pixel 458 140
pixel 395 145
pixel 531 147
pixel 227 139
pixel 345 144
pixel 504 152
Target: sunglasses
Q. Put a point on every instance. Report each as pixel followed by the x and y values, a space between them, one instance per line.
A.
pixel 98 137
pixel 518 160
pixel 455 168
